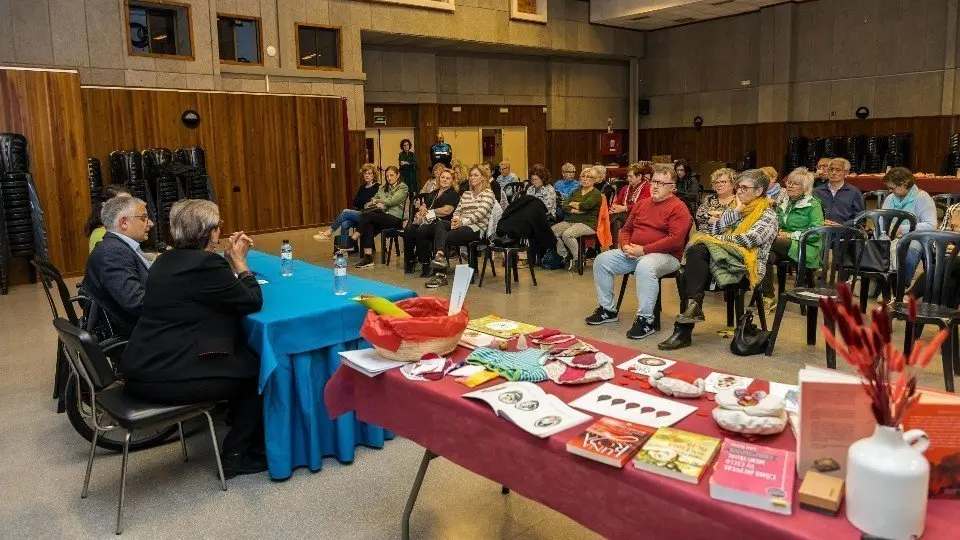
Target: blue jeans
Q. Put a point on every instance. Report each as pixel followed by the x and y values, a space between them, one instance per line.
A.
pixel 647 272
pixel 914 253
pixel 347 220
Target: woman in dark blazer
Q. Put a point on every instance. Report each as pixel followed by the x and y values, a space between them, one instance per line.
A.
pixel 188 346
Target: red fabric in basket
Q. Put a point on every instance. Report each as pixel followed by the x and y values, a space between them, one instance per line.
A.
pixel 428 320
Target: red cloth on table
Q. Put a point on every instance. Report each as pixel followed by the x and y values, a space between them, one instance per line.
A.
pixel 627 503
pixel 660 227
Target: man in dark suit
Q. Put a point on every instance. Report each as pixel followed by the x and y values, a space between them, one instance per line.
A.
pixel 117 268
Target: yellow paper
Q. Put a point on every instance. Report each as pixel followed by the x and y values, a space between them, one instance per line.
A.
pixel 478 378
pixel 381 306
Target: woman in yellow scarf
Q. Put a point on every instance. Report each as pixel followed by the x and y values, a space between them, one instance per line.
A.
pixel 735 249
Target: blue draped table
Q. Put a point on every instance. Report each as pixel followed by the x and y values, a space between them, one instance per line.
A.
pixel 298 334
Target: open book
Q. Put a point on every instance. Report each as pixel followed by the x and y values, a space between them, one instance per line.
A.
pixel 530 408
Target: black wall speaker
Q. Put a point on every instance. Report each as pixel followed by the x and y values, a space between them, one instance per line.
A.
pixel 644 107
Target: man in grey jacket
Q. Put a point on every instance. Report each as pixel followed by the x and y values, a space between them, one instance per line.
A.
pixel 116 271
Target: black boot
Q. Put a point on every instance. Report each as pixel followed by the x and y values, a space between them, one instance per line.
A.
pixel 694 312
pixel 427 271
pixel 409 267
pixel 679 339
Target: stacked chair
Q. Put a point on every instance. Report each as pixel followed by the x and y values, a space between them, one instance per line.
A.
pixel 163 186
pixel 796 153
pixel 22 232
pixel 856 149
pixel 952 160
pixel 126 167
pixel 898 151
pixel 876 151
pixel 834 147
pixel 815 149
pixel 94 179
pixel 194 181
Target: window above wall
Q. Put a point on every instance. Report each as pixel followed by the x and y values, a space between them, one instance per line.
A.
pixel 159 28
pixel 319 47
pixel 240 39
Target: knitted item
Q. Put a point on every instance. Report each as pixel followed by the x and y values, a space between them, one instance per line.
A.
pixel 513 366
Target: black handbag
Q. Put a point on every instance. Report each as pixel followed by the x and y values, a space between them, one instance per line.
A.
pixel 876 256
pixel 749 340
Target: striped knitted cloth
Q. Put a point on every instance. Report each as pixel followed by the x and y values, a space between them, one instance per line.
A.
pixel 513 366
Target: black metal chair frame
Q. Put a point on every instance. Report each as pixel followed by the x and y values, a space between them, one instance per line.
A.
pixel 510 260
pixel 658 307
pixel 88 361
pixel 390 238
pixel 938 260
pixel 582 250
pixel 835 243
pixel 884 222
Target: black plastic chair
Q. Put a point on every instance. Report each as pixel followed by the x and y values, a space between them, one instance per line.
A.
pixel 939 255
pixel 885 222
pixel 582 250
pixel 878 194
pixel 511 190
pixel 390 238
pixel 836 243
pixel 113 408
pixel 658 307
pixel 945 201
pixel 510 260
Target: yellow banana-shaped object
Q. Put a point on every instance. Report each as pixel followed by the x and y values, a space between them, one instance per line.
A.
pixel 381 306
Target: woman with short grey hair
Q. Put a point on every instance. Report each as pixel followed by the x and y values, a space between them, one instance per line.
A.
pixel 193 222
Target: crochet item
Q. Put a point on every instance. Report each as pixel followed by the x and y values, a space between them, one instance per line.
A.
pixel 513 366
pixel 584 361
pixel 756 413
pixel 561 373
pixel 677 387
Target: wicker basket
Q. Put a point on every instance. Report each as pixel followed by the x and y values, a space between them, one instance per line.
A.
pixel 428 330
pixel 412 351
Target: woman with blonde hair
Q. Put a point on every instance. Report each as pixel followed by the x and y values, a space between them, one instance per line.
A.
pixel 436 206
pixel 723 197
pixel 349 218
pixel 431 184
pixel 383 211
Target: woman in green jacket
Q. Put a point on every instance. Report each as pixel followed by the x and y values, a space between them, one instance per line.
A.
pixel 384 211
pixel 798 211
pixel 408 165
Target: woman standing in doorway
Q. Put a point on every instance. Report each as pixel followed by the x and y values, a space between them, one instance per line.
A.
pixel 408 165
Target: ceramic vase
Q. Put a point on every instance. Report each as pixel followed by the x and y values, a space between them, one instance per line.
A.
pixel 887 479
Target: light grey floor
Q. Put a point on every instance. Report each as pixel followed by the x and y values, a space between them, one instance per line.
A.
pixel 41 469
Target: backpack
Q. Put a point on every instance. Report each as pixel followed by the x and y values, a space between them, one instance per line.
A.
pixel 551 261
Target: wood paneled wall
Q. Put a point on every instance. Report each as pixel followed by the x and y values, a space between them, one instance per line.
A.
pixel 269 157
pixel 46 108
pixel 578 147
pixel 730 143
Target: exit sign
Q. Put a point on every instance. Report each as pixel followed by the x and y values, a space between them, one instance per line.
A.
pixel 379 120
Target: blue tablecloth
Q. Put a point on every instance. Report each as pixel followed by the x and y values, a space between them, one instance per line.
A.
pixel 298 334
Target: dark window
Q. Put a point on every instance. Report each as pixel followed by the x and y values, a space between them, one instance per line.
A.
pixel 239 39
pixel 319 47
pixel 159 28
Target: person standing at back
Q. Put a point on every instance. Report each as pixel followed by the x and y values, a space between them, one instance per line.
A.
pixel 408 165
pixel 841 202
pixel 441 152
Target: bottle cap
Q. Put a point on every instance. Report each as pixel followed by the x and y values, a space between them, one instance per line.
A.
pixel 285 241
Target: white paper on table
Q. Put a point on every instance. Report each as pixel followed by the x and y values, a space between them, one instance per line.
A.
pixel 646 364
pixel 458 293
pixel 790 394
pixel 466 371
pixel 716 381
pixel 262 281
pixel 368 362
pixel 633 406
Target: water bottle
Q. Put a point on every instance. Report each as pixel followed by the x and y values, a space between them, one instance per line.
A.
pixel 286 259
pixel 340 274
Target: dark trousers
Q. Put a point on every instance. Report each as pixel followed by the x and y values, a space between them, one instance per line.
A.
pixel 696 271
pixel 416 242
pixel 246 405
pixel 779 252
pixel 952 299
pixel 444 236
pixel 372 222
pixel 617 221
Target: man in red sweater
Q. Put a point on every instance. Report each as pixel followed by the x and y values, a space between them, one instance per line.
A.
pixel 651 245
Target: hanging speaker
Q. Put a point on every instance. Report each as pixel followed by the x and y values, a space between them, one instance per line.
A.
pixel 644 107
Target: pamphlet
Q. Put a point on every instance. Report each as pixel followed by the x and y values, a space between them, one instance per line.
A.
pixel 716 382
pixel 500 327
pixel 938 414
pixel 677 454
pixel 646 364
pixel 368 362
pixel 530 408
pixel 633 406
pixel 472 339
pixel 754 476
pixel 790 394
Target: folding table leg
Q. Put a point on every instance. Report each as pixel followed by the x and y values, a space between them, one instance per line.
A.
pixel 414 493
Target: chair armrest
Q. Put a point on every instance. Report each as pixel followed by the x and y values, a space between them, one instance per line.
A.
pixel 114 345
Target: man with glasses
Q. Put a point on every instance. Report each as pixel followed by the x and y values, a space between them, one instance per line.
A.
pixel 116 270
pixel 841 202
pixel 734 249
pixel 820 178
pixel 651 245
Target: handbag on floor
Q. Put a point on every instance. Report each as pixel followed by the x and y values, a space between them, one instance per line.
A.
pixel 749 340
pixel 551 261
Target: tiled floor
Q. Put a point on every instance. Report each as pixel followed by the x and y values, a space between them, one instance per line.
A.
pixel 43 458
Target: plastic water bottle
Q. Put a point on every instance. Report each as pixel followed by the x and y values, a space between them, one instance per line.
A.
pixel 286 259
pixel 340 274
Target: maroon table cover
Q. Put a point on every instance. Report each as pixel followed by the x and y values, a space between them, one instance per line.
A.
pixel 616 503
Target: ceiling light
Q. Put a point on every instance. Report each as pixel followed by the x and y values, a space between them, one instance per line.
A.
pixel 160 37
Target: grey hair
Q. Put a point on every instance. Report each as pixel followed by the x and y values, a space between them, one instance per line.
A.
pixel 756 177
pixel 804 176
pixel 601 172
pixel 192 221
pixel 118 208
pixel 846 164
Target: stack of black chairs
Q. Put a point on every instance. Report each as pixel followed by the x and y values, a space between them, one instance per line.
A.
pixel 194 181
pixel 94 179
pixel 814 152
pixel 834 147
pixel 898 151
pixel 126 167
pixel 876 150
pixel 749 161
pixel 163 186
pixel 856 150
pixel 796 153
pixel 22 232
pixel 952 162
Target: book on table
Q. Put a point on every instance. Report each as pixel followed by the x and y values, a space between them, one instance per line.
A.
pixel 368 362
pixel 530 408
pixel 472 339
pixel 834 413
pixel 754 476
pixel 677 454
pixel 501 327
pixel 938 415
pixel 610 441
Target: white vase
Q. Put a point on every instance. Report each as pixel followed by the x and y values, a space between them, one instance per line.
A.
pixel 887 478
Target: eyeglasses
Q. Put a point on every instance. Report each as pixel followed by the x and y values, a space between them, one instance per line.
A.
pixel 657 183
pixel 744 187
pixel 790 183
pixel 143 217
pixel 721 182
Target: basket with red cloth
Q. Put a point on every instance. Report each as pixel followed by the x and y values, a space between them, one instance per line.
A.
pixel 428 329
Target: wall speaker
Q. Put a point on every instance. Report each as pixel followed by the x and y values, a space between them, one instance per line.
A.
pixel 644 107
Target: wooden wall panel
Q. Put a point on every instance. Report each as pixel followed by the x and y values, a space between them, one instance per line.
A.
pixel 358 152
pixel 397 115
pixel 46 108
pixel 578 147
pixel 269 157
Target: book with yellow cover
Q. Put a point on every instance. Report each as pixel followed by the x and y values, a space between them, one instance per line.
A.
pixel 500 327
pixel 677 454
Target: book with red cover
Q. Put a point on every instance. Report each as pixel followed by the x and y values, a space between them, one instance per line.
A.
pixel 938 414
pixel 610 441
pixel 754 476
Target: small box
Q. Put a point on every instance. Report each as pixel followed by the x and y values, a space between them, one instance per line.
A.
pixel 821 493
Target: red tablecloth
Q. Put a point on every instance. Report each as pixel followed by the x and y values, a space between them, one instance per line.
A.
pixel 615 503
pixel 931 184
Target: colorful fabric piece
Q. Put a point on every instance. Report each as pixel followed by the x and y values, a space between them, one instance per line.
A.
pixel 513 366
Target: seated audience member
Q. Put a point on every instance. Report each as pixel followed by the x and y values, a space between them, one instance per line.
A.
pixel 775 191
pixel 94 227
pixel 723 198
pixel 188 346
pixel 487 167
pixel 841 202
pixel 116 271
pixel 581 209
pixel 569 182
pixel 821 175
pixel 651 245
pixel 459 175
pixel 906 195
pixel 384 211
pixel 349 218
pixel 540 188
pixel 950 223
pixel 637 188
pixel 469 223
pixel 797 211
pixel 431 184
pixel 688 186
pixel 506 176
pixel 735 249
pixel 436 206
